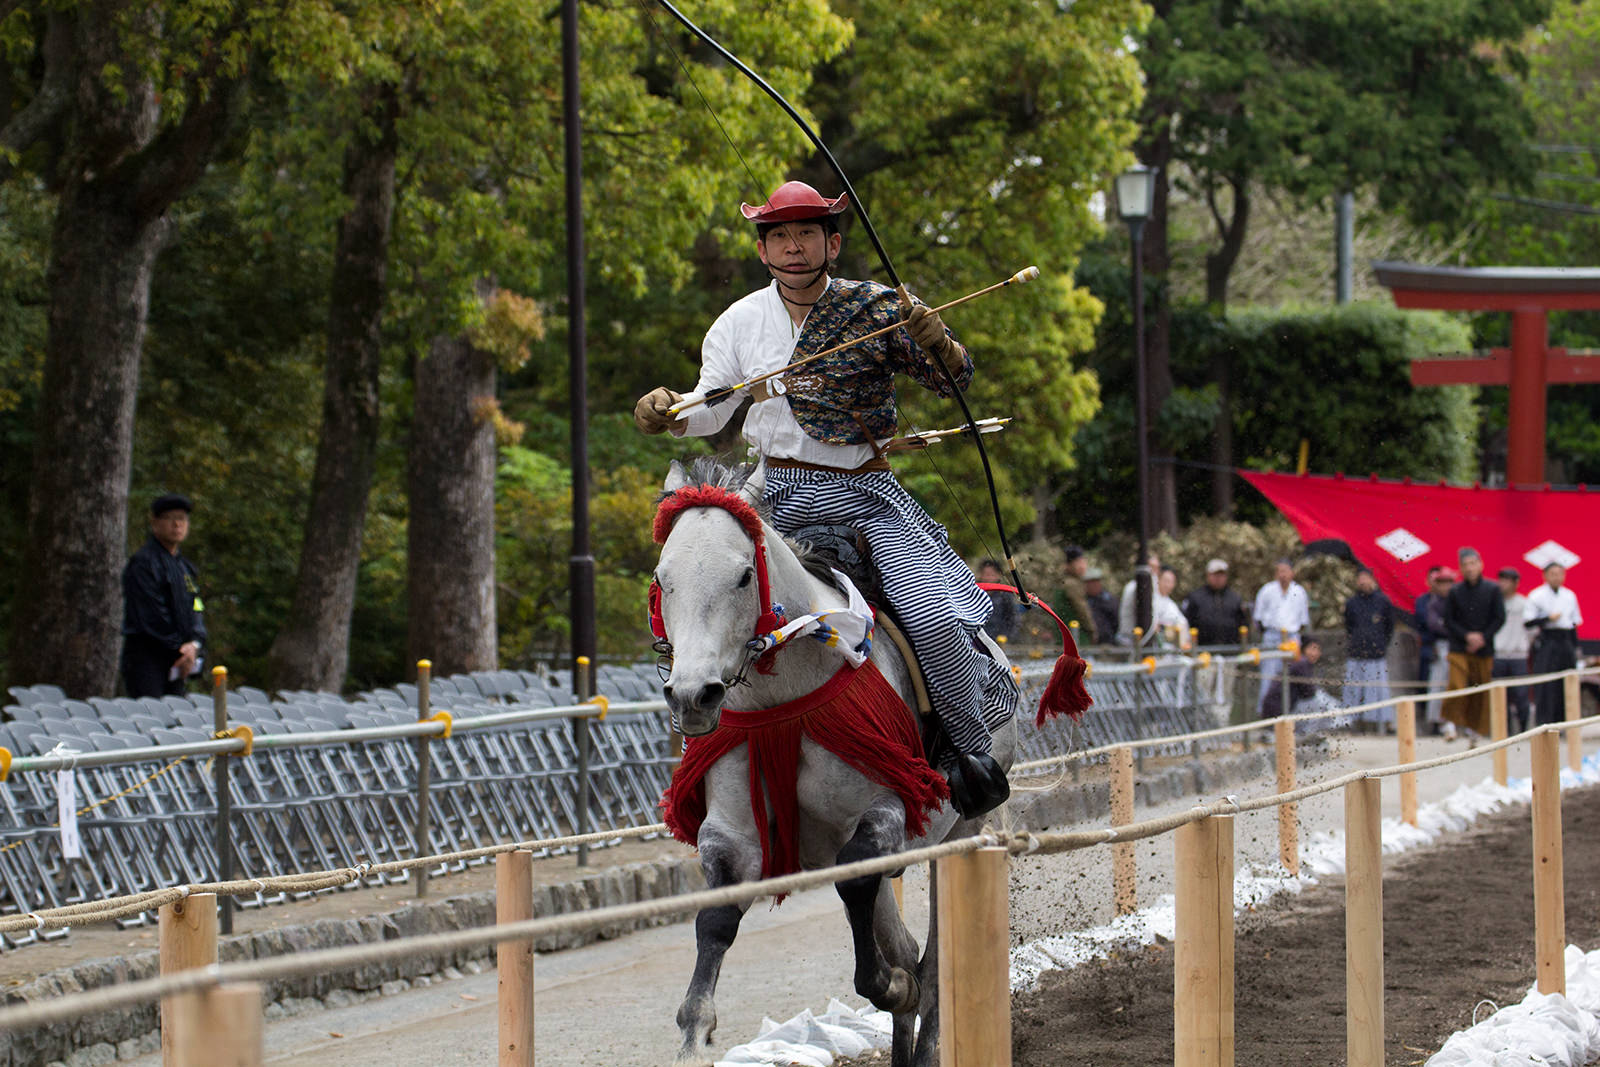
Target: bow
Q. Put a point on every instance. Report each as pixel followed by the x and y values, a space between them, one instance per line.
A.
pixel 883 257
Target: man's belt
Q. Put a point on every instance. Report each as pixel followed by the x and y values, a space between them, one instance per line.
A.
pixel 871 466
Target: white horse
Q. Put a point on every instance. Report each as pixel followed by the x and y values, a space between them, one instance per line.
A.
pixel 709 605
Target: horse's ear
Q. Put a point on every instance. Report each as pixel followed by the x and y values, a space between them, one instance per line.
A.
pixel 755 486
pixel 677 478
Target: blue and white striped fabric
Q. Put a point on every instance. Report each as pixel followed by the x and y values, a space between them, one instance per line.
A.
pixel 927 584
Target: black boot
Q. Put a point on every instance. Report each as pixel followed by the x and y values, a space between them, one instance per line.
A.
pixel 977 784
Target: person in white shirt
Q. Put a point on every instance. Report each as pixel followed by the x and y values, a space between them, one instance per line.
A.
pixel 1552 612
pixel 1283 610
pixel 821 431
pixel 1166 618
pixel 1511 650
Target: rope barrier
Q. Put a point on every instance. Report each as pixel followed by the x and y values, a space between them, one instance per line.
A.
pixel 111 908
pixel 76 1006
pixel 1267 724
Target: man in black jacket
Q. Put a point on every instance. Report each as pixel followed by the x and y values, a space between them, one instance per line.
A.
pixel 1215 609
pixel 163 618
pixel 1369 624
pixel 1473 613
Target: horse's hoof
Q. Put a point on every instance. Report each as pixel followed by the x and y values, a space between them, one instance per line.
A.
pixel 693 1059
pixel 903 995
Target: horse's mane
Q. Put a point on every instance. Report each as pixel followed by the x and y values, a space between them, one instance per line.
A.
pixel 713 472
pixel 709 471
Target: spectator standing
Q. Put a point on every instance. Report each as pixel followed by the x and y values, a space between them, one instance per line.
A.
pixel 1072 589
pixel 1003 622
pixel 1282 610
pixel 163 618
pixel 1511 648
pixel 1130 600
pixel 1433 643
pixel 1166 618
pixel 1215 608
pixel 1552 612
pixel 1369 624
pixel 1473 613
pixel 1102 607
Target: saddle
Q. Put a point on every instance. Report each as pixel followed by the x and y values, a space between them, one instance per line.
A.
pixel 841 547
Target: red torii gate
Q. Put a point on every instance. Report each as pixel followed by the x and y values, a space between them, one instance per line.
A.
pixel 1530 364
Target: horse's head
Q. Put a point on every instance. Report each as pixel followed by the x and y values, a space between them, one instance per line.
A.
pixel 710 597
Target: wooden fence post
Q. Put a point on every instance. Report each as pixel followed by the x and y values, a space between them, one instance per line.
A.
pixel 1124 862
pixel 1405 721
pixel 218 1027
pixel 1363 923
pixel 1288 814
pixel 974 959
pixel 1549 895
pixel 513 902
pixel 1497 732
pixel 1202 1008
pixel 1573 690
pixel 188 932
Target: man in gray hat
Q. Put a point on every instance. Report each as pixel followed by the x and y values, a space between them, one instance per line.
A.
pixel 163 618
pixel 1102 607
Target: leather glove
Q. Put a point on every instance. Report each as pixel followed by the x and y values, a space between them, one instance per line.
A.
pixel 927 329
pixel 650 414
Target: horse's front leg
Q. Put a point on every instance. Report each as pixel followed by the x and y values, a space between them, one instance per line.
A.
pixel 886 954
pixel 726 859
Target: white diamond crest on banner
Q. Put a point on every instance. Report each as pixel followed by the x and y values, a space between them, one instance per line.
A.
pixel 1402 544
pixel 1552 552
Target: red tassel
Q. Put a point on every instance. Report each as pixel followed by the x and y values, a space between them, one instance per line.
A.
pixel 1066 694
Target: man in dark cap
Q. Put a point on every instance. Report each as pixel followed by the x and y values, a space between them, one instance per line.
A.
pixel 163 620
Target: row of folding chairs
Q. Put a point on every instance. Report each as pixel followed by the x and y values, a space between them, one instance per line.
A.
pixel 308 808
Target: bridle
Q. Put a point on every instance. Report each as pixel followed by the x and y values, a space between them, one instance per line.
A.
pixel 759 650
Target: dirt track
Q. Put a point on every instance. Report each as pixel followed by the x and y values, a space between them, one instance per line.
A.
pixel 1444 952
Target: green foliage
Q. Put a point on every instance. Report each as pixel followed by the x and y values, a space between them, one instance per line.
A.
pixel 1340 379
pixel 534 542
pixel 1316 97
pixel 1337 377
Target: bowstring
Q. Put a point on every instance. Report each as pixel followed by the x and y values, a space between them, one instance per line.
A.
pixel 650 18
pixel 755 183
pixel 948 488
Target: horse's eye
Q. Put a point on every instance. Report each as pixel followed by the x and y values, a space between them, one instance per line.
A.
pixel 744 582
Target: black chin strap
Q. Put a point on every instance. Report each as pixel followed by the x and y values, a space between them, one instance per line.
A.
pixel 777 276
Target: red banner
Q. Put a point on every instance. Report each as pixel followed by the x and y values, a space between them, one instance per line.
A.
pixel 1400 529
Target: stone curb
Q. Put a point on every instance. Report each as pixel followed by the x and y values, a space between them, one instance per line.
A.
pixel 130 1032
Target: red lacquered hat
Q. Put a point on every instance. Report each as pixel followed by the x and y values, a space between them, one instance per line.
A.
pixel 792 201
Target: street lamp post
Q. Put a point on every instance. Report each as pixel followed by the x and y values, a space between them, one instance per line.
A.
pixel 1136 189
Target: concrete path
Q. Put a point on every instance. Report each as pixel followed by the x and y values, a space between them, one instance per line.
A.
pixel 611 1004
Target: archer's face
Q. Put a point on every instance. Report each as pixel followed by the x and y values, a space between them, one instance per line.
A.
pixel 798 248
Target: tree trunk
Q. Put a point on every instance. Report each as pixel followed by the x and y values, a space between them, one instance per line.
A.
pixel 1158 339
pixel 1219 267
pixel 118 167
pixel 450 534
pixel 312 651
pixel 68 616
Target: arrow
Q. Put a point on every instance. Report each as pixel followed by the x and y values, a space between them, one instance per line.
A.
pixel 691 400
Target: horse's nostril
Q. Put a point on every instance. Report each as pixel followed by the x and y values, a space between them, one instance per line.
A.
pixel 712 695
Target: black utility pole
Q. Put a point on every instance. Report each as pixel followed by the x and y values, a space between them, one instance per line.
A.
pixel 1135 199
pixel 581 566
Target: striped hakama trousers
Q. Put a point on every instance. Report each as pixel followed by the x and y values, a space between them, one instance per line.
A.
pixel 926 583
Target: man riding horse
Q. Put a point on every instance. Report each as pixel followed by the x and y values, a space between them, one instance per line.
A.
pixel 822 435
